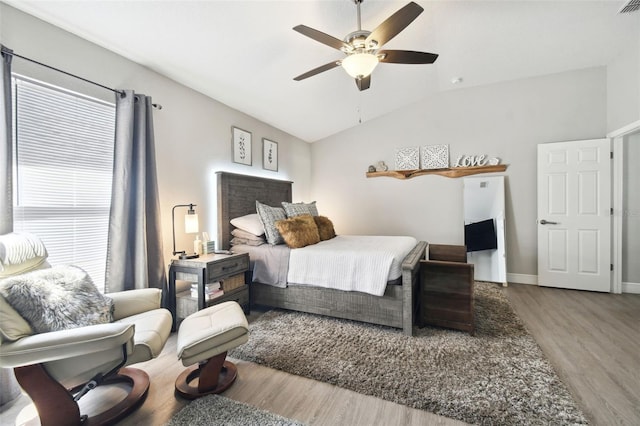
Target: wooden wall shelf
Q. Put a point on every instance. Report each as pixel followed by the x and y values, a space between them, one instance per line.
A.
pixel 455 172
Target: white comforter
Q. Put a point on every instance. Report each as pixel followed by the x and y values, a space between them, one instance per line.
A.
pixel 350 262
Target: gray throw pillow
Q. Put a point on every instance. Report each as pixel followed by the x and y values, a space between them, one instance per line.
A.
pixel 299 209
pixel 57 298
pixel 268 216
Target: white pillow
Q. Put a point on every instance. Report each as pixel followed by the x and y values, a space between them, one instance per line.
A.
pixel 250 223
pixel 247 235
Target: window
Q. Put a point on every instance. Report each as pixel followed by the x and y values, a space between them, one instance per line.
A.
pixel 63 168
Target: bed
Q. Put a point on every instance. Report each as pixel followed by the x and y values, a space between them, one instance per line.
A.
pixel 237 195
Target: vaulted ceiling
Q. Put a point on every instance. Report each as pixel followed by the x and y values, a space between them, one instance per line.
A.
pixel 245 53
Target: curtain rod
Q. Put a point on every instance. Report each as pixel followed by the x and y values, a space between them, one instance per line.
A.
pixel 120 92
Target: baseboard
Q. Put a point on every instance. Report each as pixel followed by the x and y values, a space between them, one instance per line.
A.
pixel 631 288
pixel 522 279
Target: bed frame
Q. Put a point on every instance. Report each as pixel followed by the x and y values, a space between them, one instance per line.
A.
pixel 237 195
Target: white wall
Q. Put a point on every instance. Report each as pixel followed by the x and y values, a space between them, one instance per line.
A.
pixel 623 87
pixel 193 132
pixel 623 108
pixel 631 211
pixel 506 120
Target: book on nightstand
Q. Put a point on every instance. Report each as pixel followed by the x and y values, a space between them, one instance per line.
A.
pixel 211 291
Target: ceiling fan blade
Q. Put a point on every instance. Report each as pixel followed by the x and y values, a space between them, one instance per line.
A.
pixel 321 37
pixel 363 83
pixel 407 57
pixel 394 24
pixel 322 68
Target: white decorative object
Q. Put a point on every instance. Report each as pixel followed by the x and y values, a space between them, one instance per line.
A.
pixel 494 161
pixel 408 158
pixel 381 167
pixel 471 161
pixel 434 157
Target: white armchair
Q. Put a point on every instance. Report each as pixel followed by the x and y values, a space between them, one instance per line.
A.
pixel 57 368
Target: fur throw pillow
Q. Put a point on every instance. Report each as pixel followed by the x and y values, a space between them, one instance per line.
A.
pixel 325 227
pixel 57 298
pixel 299 231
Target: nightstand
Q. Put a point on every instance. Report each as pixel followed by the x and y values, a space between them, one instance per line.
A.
pixel 206 269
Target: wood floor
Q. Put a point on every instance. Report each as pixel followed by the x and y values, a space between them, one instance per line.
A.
pixel 592 340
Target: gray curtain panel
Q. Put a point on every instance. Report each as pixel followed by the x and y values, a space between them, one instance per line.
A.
pixel 6 146
pixel 134 253
pixel 9 388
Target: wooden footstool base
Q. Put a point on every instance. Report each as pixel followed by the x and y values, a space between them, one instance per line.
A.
pixel 212 378
pixel 204 339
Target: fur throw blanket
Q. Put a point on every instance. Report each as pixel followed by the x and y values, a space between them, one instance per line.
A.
pixel 57 298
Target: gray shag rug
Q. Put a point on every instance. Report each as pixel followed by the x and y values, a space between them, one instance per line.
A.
pixel 498 376
pixel 218 410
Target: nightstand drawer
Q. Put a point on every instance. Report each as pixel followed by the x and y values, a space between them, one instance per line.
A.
pixel 231 266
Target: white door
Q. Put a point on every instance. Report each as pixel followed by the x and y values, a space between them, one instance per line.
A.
pixel 574 215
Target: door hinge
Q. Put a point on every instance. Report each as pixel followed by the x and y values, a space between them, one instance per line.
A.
pixel 611 211
pixel 611 155
pixel 612 266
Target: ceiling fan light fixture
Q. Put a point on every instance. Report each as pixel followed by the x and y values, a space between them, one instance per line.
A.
pixel 360 65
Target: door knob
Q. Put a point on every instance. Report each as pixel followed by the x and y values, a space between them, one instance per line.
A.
pixel 546 222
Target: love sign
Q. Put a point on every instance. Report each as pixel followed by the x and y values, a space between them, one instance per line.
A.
pixel 470 160
pixel 475 160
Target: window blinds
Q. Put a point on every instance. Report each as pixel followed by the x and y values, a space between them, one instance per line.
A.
pixel 63 172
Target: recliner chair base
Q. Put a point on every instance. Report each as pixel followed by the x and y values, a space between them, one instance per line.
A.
pixel 55 403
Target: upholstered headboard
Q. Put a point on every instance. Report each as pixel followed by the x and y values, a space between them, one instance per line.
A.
pixel 237 195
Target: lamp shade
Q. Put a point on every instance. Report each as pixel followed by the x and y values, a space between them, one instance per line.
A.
pixel 191 225
pixel 360 65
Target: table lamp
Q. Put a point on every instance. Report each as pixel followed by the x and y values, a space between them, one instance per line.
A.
pixel 190 227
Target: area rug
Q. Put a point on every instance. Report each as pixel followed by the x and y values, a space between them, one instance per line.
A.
pixel 218 410
pixel 498 376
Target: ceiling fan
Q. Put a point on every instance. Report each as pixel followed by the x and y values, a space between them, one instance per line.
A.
pixel 362 46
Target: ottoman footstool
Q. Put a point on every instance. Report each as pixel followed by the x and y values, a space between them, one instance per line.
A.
pixel 204 339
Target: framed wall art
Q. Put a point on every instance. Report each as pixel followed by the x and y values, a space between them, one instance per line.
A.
pixel 269 155
pixel 241 146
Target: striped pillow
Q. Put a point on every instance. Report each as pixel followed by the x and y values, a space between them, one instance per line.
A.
pixel 298 209
pixel 268 216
